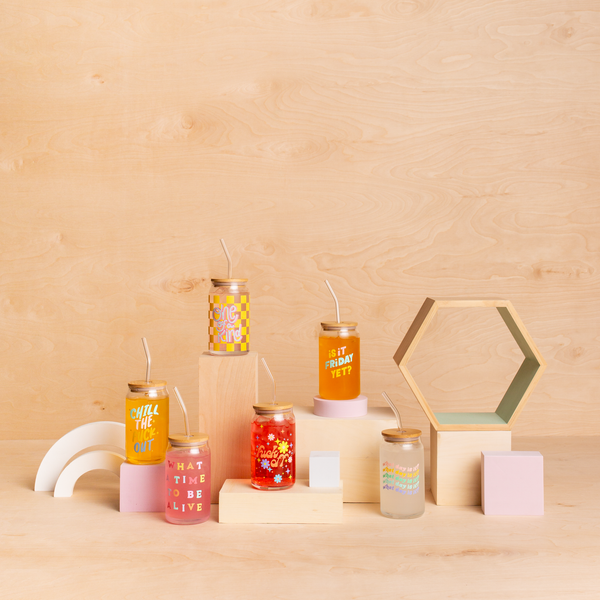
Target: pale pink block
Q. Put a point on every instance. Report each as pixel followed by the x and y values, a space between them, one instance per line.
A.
pixel 142 488
pixel 512 483
pixel 340 409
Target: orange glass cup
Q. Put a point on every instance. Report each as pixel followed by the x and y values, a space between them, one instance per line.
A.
pixel 339 361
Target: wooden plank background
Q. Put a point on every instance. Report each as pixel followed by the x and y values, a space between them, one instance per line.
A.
pixel 401 149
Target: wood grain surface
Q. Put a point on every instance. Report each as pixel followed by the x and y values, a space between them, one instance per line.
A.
pixel 82 547
pixel 401 149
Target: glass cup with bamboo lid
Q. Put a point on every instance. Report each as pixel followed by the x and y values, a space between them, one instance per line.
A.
pixel 401 470
pixel 187 472
pixel 339 357
pixel 339 361
pixel 273 447
pixel 187 475
pixel 228 314
pixel 146 422
pixel 402 474
pixel 273 443
pixel 146 418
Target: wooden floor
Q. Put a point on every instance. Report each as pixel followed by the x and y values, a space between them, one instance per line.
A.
pixel 82 547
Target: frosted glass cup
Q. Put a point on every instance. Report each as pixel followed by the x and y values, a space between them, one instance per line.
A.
pixel 402 474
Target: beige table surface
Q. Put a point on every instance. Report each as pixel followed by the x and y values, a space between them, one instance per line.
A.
pixel 82 547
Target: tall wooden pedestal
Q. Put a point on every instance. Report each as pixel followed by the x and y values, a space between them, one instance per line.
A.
pixel 228 389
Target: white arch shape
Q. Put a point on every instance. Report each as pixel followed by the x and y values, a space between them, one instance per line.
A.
pixel 98 459
pixel 101 433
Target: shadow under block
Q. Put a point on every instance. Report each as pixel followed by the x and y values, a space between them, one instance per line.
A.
pixel 228 389
pixel 456 464
pixel 142 488
pixel 512 483
pixel 357 440
pixel 239 502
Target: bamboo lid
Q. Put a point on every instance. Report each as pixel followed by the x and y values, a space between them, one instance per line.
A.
pixel 334 325
pixel 225 281
pixel 272 408
pixel 182 440
pixel 140 385
pixel 399 435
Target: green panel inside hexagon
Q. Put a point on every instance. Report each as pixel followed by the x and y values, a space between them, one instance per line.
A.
pixel 470 418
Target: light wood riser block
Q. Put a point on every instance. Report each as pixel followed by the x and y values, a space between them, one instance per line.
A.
pixel 228 389
pixel 239 502
pixel 456 464
pixel 356 439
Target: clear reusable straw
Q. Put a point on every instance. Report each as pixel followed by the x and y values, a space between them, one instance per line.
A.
pixel 396 412
pixel 337 304
pixel 184 411
pixel 148 359
pixel 264 362
pixel 229 263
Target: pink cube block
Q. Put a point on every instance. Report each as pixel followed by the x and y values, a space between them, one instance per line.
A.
pixel 512 483
pixel 142 488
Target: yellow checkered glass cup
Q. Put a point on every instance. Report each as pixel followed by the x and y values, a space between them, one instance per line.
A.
pixel 229 317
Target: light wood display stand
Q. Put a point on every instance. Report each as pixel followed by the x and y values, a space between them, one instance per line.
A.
pixel 458 438
pixel 228 388
pixel 518 391
pixel 356 439
pixel 456 464
pixel 239 502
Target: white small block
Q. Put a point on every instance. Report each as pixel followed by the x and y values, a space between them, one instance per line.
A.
pixel 324 469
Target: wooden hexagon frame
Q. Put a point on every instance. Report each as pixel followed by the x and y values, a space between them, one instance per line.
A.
pixel 518 391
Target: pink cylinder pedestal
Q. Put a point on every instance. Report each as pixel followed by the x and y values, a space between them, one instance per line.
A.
pixel 340 409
